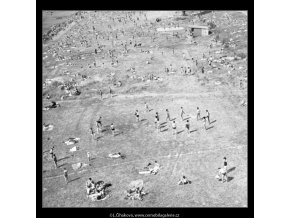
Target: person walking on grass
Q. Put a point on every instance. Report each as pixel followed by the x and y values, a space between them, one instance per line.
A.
pixel 113 129
pixel 65 175
pixel 137 115
pixel 182 113
pixel 92 133
pixel 101 94
pixel 197 114
pixel 99 123
pixel 167 115
pixel 187 127
pixel 207 116
pixel 89 156
pixel 54 160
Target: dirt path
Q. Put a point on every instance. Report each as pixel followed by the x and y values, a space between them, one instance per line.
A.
pixel 151 94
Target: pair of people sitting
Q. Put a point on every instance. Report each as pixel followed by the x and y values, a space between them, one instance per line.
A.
pixel 135 193
pixel 184 181
pixel 95 188
pixel 222 175
pixel 153 170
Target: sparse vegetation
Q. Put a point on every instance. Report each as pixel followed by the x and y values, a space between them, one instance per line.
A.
pixel 197 156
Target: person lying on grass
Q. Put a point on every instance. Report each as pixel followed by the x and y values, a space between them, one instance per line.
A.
pixel 71 141
pixel 155 169
pixel 184 181
pixel 117 155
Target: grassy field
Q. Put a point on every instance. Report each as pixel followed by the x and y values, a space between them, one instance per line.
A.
pixel 196 156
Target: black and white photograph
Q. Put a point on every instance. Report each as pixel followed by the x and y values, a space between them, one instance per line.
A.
pixel 144 109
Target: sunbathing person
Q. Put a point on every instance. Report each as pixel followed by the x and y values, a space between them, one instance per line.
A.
pixel 71 141
pixel 184 181
pixel 47 127
pixel 155 169
pixel 117 155
pixel 53 104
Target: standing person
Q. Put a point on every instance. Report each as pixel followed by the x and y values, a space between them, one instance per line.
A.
pixel 146 107
pixel 197 114
pixel 174 131
pixel 204 122
pixel 65 174
pixel 196 62
pixel 89 156
pixel 167 115
pixel 225 164
pixel 158 124
pixel 99 124
pixel 137 115
pixel 156 120
pixel 51 152
pixel 182 112
pixel 111 92
pixel 101 94
pixel 92 133
pixel 207 115
pixel 113 129
pixel 187 127
pixel 54 160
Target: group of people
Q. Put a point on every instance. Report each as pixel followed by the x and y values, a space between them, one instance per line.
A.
pixel 205 119
pixel 101 93
pixel 97 189
pixel 223 172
